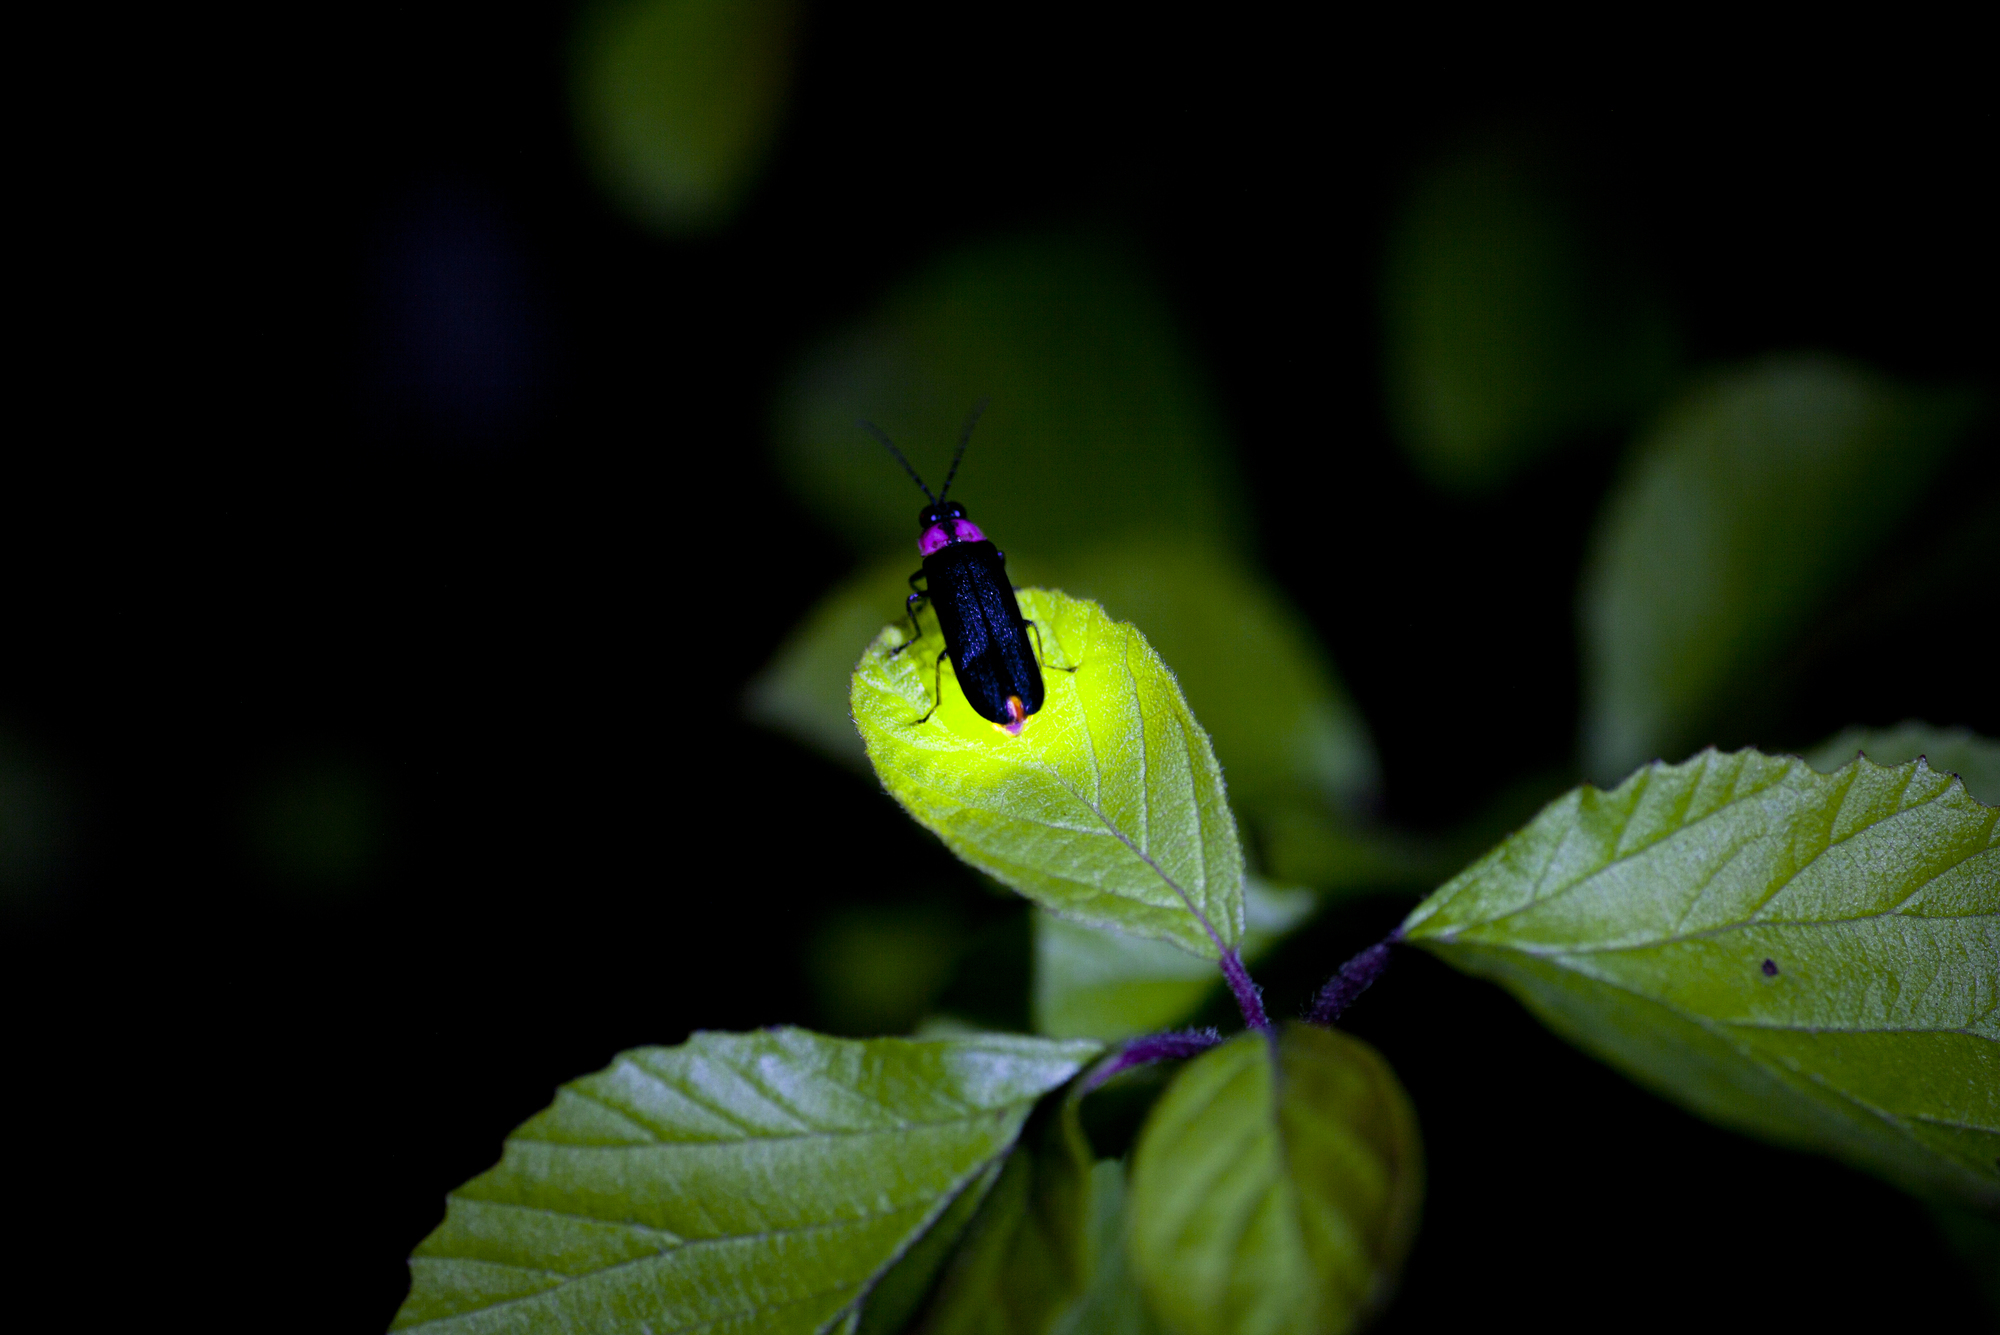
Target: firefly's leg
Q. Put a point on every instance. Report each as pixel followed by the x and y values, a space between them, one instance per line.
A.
pixel 910 606
pixel 937 688
pixel 1041 653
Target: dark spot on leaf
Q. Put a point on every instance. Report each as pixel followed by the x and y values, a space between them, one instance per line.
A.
pixel 1770 968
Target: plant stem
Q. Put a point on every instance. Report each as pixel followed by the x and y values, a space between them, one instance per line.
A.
pixel 1150 1049
pixel 1249 997
pixel 1352 980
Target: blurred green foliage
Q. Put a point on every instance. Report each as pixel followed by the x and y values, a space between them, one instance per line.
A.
pixel 1101 422
pixel 802 692
pixel 1744 509
pixel 677 102
pixel 1510 322
pixel 1975 1238
pixel 1111 1304
pixel 34 833
pixel 878 970
pixel 1958 751
pixel 317 826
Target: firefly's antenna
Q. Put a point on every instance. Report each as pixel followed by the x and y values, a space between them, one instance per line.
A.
pixel 964 439
pixel 883 436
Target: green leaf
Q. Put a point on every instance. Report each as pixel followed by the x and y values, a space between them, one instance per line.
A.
pixel 1510 325
pixel 1744 510
pixel 677 101
pixel 1337 856
pixel 1276 1187
pixel 1093 982
pixel 1958 751
pixel 1101 420
pixel 1812 958
pixel 878 968
pixel 1108 808
pixel 740 1182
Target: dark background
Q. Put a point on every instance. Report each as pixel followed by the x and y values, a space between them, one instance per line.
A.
pixel 248 544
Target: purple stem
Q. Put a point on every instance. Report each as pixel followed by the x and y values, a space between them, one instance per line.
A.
pixel 1153 1048
pixel 1249 997
pixel 1352 980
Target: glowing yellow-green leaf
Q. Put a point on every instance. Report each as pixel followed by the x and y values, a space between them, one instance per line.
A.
pixel 1108 808
pixel 1276 1187
pixel 1813 958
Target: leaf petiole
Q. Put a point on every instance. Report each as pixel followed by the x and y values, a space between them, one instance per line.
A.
pixel 1353 978
pixel 1152 1048
pixel 1249 996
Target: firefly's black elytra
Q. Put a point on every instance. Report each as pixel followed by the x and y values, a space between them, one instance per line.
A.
pixel 965 582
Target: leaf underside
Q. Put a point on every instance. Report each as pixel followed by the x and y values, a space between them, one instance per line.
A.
pixel 738 1183
pixel 1108 808
pixel 1276 1187
pixel 1813 958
